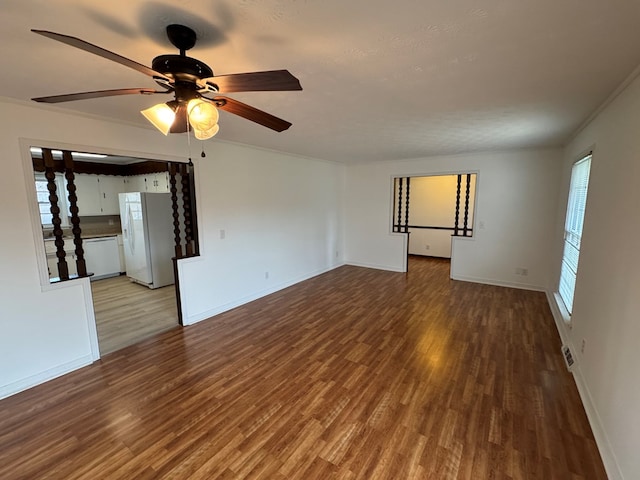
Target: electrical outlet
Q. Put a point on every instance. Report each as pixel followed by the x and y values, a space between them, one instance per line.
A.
pixel 582 346
pixel 223 234
pixel 427 247
pixel 525 271
pixel 266 275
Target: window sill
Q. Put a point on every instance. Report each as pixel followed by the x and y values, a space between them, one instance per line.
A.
pixel 566 316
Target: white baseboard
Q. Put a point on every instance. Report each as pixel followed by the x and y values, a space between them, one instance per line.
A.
pixel 50 374
pixel 602 440
pixel 498 283
pixel 198 317
pixel 376 266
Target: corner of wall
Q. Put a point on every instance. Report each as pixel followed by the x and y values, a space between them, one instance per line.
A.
pixel 602 440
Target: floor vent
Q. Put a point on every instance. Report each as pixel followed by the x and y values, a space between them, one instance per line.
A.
pixel 568 357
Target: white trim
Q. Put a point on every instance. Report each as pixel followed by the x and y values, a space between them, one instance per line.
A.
pixel 498 283
pixel 45 376
pixel 561 325
pixel 198 317
pixel 602 440
pixel 562 310
pixel 91 318
pixel 377 266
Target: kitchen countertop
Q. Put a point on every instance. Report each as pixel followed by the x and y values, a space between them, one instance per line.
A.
pixel 84 237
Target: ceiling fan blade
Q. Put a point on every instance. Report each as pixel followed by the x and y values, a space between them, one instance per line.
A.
pixel 91 48
pixel 97 94
pixel 274 80
pixel 250 113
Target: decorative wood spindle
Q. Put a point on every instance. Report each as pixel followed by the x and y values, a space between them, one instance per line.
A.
pixel 174 206
pixel 406 207
pixel 457 219
pixel 397 226
pixel 194 215
pixel 466 205
pixel 73 208
pixel 50 174
pixel 186 206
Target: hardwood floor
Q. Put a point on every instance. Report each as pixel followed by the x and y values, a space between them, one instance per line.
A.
pixel 127 312
pixel 354 374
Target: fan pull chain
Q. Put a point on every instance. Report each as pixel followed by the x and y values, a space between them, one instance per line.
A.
pixel 188 137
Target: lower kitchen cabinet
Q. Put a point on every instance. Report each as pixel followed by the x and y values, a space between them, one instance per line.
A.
pixel 52 259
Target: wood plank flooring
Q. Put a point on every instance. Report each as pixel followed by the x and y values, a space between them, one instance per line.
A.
pixel 127 312
pixel 354 374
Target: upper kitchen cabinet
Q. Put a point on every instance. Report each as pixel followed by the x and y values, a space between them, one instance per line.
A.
pixel 151 182
pixel 110 187
pixel 136 183
pixel 159 182
pixel 98 194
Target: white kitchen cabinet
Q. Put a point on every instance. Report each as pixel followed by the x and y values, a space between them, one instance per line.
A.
pixel 52 263
pixel 110 186
pixel 159 182
pixel 88 195
pixel 98 194
pixel 136 183
pixel 151 182
pixel 52 259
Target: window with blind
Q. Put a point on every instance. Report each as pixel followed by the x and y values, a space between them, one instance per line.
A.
pixel 44 205
pixel 573 230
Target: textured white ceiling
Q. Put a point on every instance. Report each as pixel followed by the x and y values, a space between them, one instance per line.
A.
pixel 382 80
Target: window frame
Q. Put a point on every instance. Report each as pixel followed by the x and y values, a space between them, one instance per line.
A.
pixel 572 232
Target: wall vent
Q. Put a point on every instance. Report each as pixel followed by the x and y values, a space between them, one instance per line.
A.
pixel 568 357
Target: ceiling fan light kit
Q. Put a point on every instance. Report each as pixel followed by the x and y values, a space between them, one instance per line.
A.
pixel 161 116
pixel 206 134
pixel 189 80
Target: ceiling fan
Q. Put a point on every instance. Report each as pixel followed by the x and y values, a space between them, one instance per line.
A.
pixel 189 80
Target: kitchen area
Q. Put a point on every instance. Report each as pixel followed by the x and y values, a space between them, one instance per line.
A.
pixel 126 227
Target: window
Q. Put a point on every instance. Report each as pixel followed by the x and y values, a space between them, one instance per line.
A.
pixel 44 206
pixel 573 230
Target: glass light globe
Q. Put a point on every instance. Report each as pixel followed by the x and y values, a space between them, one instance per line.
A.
pixel 161 116
pixel 202 115
pixel 206 134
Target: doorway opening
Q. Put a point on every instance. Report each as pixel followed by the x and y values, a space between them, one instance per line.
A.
pixel 124 222
pixel 433 210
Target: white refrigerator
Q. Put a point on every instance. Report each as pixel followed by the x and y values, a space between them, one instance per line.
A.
pixel 147 226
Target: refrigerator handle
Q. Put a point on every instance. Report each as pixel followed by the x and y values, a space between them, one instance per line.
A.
pixel 132 231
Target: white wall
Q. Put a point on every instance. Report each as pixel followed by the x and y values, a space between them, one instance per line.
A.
pixel 281 219
pixel 47 331
pixel 514 218
pixel 606 310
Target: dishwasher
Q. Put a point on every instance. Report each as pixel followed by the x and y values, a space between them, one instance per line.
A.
pixel 102 257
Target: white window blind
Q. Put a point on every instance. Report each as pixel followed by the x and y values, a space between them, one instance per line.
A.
pixel 44 205
pixel 573 230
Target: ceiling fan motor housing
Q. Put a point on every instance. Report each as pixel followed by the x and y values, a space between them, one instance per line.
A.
pixel 179 67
